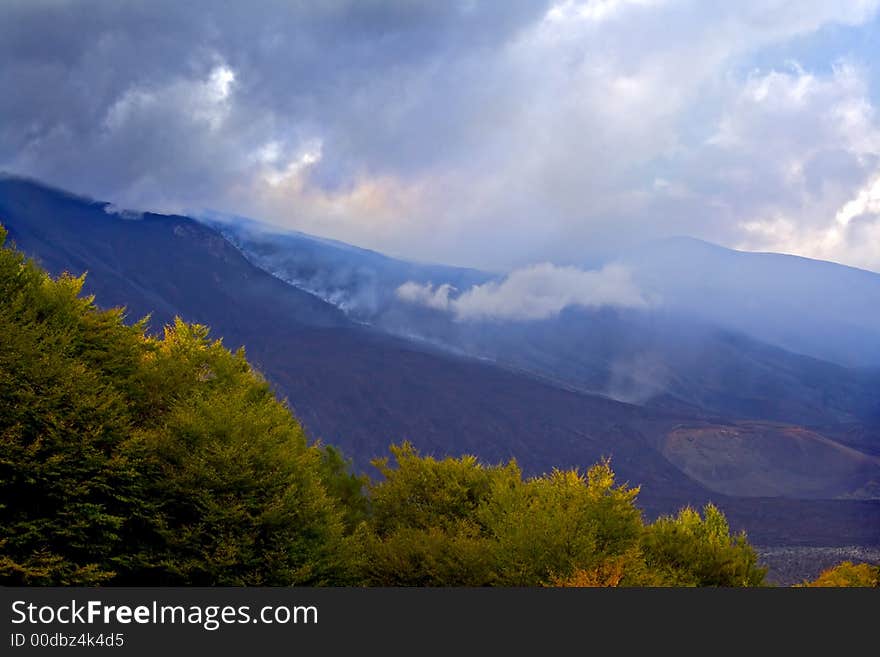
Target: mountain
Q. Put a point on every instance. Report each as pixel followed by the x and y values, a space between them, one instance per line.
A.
pixel 154 264
pixel 683 355
pixel 360 388
pixel 359 281
pixel 812 307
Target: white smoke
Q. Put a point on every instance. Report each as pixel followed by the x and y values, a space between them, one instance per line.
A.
pixel 536 292
pixel 426 295
pixel 131 215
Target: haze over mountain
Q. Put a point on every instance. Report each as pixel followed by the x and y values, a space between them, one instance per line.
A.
pixel 360 387
pixel 821 309
pixel 699 340
pixel 810 307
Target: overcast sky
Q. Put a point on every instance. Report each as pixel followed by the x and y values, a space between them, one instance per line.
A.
pixel 493 134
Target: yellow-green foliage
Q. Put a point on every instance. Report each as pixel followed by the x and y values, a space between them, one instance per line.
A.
pixel 426 525
pixel 455 522
pixel 248 505
pixel 131 459
pixel 688 550
pixel 848 574
pixel 548 527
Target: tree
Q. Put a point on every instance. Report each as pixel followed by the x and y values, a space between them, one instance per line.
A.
pixel 67 483
pixel 424 528
pixel 688 550
pixel 132 459
pixel 547 528
pixel 242 496
pixel 848 574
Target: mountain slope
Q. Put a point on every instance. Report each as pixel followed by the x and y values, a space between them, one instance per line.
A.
pixel 360 281
pixel 674 356
pixel 361 390
pixel 821 309
pixel 164 265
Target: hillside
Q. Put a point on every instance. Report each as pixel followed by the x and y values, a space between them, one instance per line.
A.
pixel 822 309
pixel 360 389
pixel 691 353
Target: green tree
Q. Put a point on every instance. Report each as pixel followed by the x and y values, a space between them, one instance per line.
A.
pixel 689 550
pixel 345 486
pixel 67 483
pixel 242 497
pixel 424 527
pixel 126 458
pixel 424 492
pixel 547 528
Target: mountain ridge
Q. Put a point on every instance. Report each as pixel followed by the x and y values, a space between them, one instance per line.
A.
pixel 664 357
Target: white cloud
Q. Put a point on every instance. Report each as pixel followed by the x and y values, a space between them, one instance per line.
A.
pixel 205 101
pixel 592 10
pixel 866 202
pixel 531 293
pixel 294 167
pixel 220 82
pixel 795 164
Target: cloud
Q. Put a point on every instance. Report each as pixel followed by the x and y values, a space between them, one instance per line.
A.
pixel 556 130
pixel 797 157
pixel 537 292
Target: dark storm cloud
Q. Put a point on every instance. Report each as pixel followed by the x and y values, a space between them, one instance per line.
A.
pixel 300 68
pixel 431 129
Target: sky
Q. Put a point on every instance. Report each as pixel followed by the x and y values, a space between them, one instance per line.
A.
pixel 489 134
